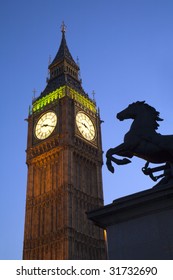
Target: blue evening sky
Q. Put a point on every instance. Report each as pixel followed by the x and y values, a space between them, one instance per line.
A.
pixel 125 50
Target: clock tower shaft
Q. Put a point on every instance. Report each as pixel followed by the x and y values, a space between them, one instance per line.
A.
pixel 64 169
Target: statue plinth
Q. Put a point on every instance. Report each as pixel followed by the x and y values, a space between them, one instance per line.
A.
pixel 139 226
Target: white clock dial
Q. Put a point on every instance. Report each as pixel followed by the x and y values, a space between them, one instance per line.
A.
pixel 45 125
pixel 85 126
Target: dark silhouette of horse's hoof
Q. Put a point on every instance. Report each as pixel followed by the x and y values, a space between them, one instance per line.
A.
pixel 109 166
pixel 126 161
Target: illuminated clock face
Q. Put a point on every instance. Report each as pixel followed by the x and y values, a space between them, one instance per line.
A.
pixel 85 126
pixel 45 125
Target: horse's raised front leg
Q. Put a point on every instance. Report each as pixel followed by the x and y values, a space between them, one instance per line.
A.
pixel 120 150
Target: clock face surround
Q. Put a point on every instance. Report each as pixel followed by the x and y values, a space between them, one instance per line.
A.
pixel 45 125
pixel 85 126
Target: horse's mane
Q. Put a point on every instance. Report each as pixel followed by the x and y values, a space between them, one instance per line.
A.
pixel 153 111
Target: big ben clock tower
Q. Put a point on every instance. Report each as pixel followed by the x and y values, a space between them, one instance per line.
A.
pixel 64 159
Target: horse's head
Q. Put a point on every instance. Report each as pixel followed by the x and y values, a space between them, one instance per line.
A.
pixel 130 112
pixel 143 110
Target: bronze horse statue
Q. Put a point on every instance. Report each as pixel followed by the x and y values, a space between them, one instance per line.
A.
pixel 143 141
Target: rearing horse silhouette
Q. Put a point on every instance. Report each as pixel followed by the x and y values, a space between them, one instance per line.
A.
pixel 142 140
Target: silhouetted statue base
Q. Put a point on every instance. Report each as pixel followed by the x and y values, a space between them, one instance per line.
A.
pixel 139 226
pixel 143 141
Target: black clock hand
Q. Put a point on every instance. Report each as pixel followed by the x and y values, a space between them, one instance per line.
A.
pixel 47 125
pixel 85 125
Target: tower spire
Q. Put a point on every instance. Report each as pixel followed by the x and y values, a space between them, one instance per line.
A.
pixel 63 69
pixel 63 52
pixel 63 27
